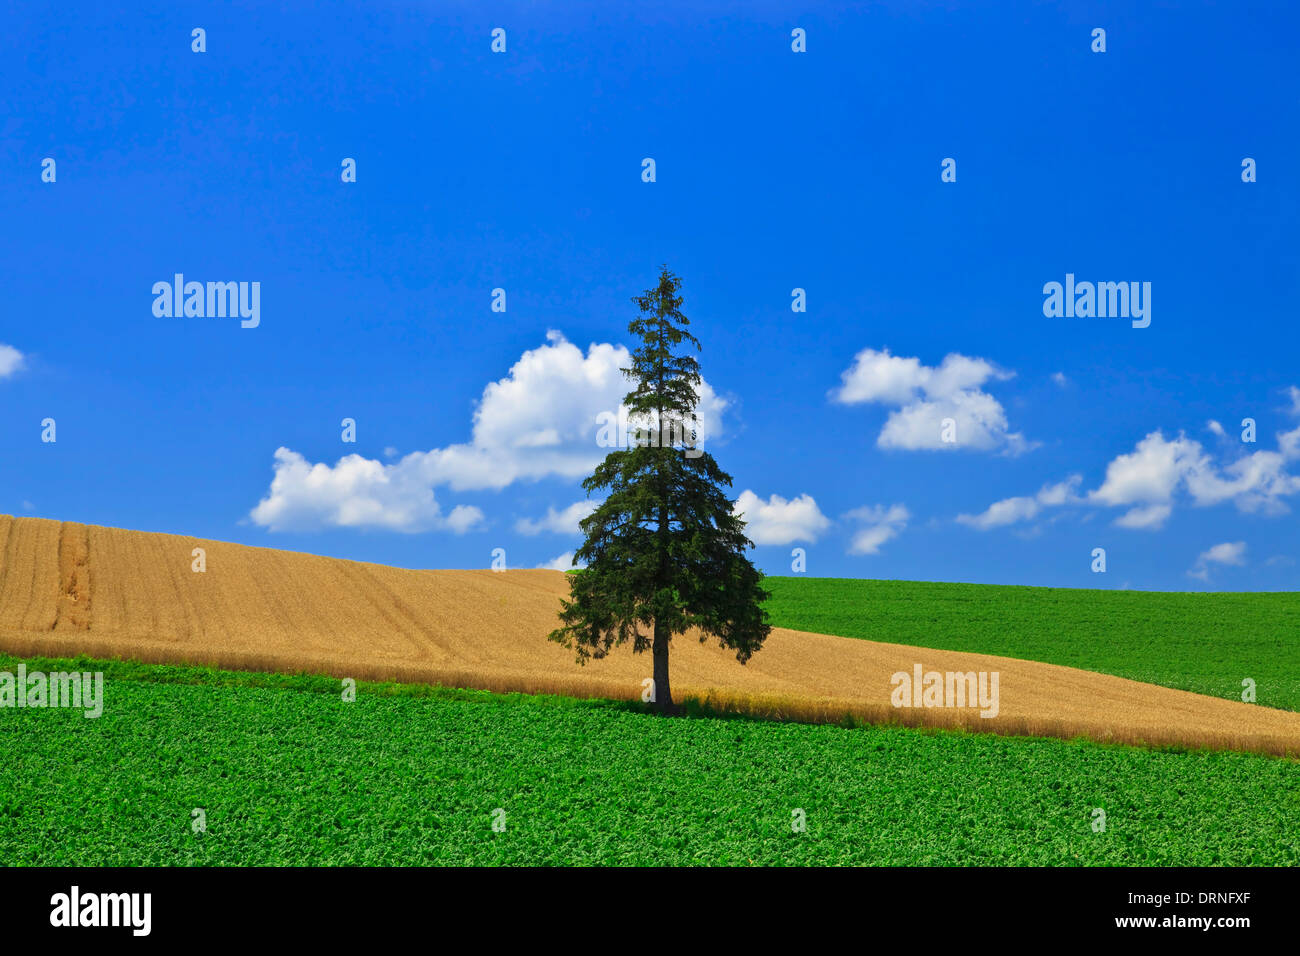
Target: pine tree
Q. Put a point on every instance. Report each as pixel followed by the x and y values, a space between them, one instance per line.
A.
pixel 664 552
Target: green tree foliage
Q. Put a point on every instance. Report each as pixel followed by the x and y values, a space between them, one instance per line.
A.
pixel 664 553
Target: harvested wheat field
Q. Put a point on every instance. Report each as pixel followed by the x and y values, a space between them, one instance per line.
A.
pixel 68 589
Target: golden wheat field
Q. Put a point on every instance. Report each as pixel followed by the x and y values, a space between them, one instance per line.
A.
pixel 68 589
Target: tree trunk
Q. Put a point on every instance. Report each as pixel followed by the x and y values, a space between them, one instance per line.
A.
pixel 663 690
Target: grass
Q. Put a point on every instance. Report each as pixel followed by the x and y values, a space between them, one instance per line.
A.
pixel 1202 642
pixel 289 773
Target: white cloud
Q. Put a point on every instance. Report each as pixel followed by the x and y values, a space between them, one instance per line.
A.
pixel 558 522
pixel 925 396
pixel 1256 483
pixel 879 524
pixel 11 360
pixel 355 493
pixel 1229 552
pixel 1148 477
pixel 541 420
pixel 777 521
pixel 1216 428
pixel 1145 517
pixel 1151 472
pixel 1146 482
pixel 1288 444
pixel 1004 512
pixel 881 377
pixel 1060 379
pixel 563 562
pixel 1014 510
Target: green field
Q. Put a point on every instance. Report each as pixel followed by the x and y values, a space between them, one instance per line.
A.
pixel 288 773
pixel 1205 643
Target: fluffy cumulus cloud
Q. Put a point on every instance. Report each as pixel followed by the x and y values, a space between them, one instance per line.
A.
pixel 1025 508
pixel 1227 553
pixel 878 525
pixel 557 522
pixel 354 493
pixel 923 397
pixel 542 420
pixel 1145 480
pixel 563 562
pixel 1149 481
pixel 11 360
pixel 778 521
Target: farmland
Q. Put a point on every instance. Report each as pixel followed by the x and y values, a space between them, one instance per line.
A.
pixel 68 589
pixel 1205 643
pixel 286 772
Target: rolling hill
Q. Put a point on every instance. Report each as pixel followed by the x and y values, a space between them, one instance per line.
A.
pixel 1206 642
pixel 68 589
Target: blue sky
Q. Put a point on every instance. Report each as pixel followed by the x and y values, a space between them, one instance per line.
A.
pixel 775 170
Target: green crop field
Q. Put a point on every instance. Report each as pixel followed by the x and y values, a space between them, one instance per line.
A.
pixel 1207 643
pixel 287 772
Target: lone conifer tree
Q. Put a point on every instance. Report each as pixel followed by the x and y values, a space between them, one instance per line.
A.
pixel 664 552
